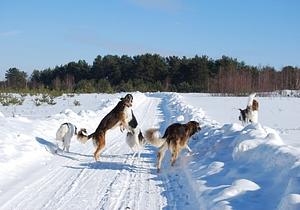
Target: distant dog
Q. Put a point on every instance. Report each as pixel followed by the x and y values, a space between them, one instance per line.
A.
pixel 176 138
pixel 120 116
pixel 135 139
pixel 250 114
pixel 64 135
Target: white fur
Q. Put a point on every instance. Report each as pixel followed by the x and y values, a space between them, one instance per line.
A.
pixel 153 137
pixel 64 135
pixel 250 99
pixel 128 117
pixel 132 140
pixel 252 116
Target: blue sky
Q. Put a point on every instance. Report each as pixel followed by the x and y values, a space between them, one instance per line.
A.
pixel 36 34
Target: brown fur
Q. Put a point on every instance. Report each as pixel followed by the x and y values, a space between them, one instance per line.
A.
pixel 175 138
pixel 255 105
pixel 245 114
pixel 116 117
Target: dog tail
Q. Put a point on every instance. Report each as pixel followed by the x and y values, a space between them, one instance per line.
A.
pixel 82 136
pixel 153 137
pixel 250 99
pixel 252 102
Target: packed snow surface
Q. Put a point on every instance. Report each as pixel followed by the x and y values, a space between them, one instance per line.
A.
pixel 256 166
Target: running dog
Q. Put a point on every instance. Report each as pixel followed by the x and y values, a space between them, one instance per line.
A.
pixel 176 138
pixel 64 135
pixel 120 116
pixel 250 114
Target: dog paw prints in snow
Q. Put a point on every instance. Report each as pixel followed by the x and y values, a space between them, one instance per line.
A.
pixel 237 188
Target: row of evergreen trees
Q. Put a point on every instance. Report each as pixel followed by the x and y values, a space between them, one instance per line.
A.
pixel 152 72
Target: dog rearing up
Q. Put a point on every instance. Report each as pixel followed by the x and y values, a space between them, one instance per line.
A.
pixel 119 116
pixel 176 138
pixel 250 114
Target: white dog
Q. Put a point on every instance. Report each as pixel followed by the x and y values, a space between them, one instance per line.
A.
pixel 64 135
pixel 135 141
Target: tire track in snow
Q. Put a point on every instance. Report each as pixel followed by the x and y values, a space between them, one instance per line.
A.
pixel 36 190
pixel 121 185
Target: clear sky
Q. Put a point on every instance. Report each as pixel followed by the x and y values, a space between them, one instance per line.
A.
pixel 36 34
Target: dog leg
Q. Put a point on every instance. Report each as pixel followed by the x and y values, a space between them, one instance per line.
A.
pixel 175 151
pixel 188 148
pixel 161 154
pixel 134 154
pixel 100 146
pixel 122 125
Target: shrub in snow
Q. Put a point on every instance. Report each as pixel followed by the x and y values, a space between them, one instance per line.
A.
pixel 44 98
pixel 9 99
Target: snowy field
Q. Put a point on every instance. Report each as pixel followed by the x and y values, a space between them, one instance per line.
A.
pixel 279 113
pixel 231 167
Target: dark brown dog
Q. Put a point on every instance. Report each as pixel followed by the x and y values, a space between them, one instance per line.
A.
pixel 119 116
pixel 176 138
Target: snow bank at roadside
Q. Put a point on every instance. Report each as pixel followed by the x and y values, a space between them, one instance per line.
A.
pixel 235 167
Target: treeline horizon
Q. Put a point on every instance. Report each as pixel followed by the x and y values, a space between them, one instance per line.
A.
pixel 153 72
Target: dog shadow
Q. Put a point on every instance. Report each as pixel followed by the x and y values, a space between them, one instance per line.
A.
pixel 102 165
pixel 49 146
pixel 53 149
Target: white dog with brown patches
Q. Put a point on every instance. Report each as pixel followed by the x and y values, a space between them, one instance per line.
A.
pixel 250 114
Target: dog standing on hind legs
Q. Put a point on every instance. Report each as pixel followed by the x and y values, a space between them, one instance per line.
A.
pixel 250 114
pixel 176 138
pixel 120 116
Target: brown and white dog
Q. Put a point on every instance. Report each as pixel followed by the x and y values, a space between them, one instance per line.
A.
pixel 250 114
pixel 176 138
pixel 118 116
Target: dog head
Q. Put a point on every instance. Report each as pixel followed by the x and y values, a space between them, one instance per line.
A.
pixel 82 131
pixel 194 127
pixel 127 100
pixel 243 114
